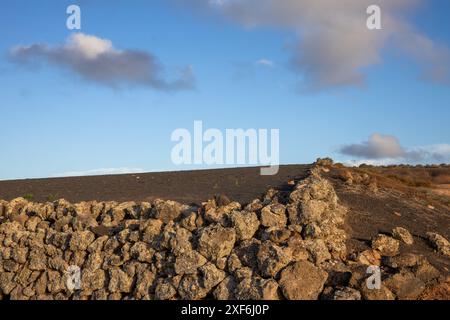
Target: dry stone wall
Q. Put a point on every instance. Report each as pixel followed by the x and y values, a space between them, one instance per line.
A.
pixel 286 245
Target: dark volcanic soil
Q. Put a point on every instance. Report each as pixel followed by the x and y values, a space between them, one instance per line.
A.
pixel 370 213
pixel 240 184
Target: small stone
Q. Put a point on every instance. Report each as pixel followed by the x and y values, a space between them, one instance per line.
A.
pixel 297 248
pixel 165 290
pixel 166 210
pixel 302 281
pixel 61 240
pixel 189 221
pixel 318 250
pixel 346 293
pixel 401 261
pixel 41 284
pixel 222 200
pixel 226 289
pixel 255 288
pixel 377 294
pixel 197 286
pixel 386 245
pixel 274 215
pixel 271 259
pixel 98 244
pixel 255 205
pixel 6 282
pixel 277 235
pixel 142 252
pixel 245 223
pixel 369 258
pixel 189 262
pixel 144 282
pixel 247 251
pixel 32 223
pixel 93 280
pixel 180 242
pixel 81 240
pixel 151 229
pixel 115 296
pixel 19 254
pixel 216 241
pixel 211 275
pixel 403 234
pixel 58 263
pixel 221 263
pixel 439 243
pixel 37 260
pixel 119 281
pixel 191 288
pixel 312 211
pixel 55 283
pixel 242 273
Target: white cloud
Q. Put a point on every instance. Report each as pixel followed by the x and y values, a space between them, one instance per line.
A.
pixel 90 47
pixel 378 146
pixel 96 172
pixel 372 162
pixel 333 46
pixel 438 152
pixel 96 60
pixel 382 149
pixel 265 63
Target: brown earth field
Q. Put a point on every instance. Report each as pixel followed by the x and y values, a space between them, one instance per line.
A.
pixel 239 184
pixel 378 199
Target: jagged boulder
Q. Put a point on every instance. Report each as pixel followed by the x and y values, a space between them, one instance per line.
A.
pixel 403 235
pixel 166 210
pixel 226 290
pixel 439 243
pixel 256 288
pixel 245 223
pixel 216 241
pixel 386 245
pixel 383 293
pixel 346 293
pixel 302 281
pixel 274 215
pixel 198 286
pixel 189 262
pixel 271 259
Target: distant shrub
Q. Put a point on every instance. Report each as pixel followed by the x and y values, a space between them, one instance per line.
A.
pixel 51 198
pixel 29 196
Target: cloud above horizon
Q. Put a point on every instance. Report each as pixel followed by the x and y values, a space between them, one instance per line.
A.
pixel 97 60
pixel 333 46
pixel 386 149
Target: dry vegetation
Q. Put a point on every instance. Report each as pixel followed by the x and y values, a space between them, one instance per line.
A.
pixel 431 183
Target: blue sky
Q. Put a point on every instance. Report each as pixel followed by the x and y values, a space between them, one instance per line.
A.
pixel 56 122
